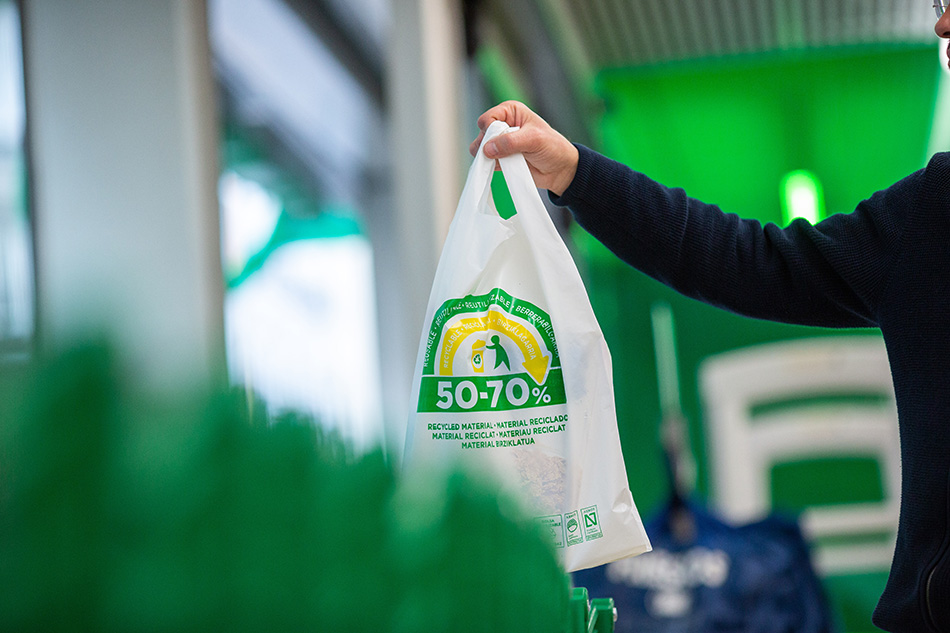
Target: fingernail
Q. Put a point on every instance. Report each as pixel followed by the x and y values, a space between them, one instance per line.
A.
pixel 491 149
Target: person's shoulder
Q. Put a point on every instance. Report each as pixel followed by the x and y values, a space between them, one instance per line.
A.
pixel 940 160
pixel 934 185
pixel 937 171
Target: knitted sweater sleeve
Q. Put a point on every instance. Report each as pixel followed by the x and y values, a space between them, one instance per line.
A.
pixel 831 274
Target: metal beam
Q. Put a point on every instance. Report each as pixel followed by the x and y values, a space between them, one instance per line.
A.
pixel 359 57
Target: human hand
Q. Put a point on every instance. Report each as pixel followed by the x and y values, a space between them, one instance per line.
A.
pixel 552 159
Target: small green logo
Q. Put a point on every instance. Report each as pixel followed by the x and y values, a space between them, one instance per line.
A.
pixel 574 535
pixel 553 525
pixel 591 523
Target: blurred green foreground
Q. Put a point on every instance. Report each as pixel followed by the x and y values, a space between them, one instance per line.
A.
pixel 121 513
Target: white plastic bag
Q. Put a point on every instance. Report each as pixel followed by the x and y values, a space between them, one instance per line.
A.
pixel 513 371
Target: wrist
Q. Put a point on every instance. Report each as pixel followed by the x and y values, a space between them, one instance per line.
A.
pixel 566 175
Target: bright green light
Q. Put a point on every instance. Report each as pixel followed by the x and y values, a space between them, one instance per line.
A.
pixel 802 197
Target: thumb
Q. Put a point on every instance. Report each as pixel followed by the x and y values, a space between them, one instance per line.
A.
pixel 501 146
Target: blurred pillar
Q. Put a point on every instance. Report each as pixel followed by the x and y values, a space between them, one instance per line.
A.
pixel 123 141
pixel 429 154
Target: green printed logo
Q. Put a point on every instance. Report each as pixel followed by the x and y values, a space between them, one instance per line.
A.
pixel 554 526
pixel 573 528
pixel 490 352
pixel 591 523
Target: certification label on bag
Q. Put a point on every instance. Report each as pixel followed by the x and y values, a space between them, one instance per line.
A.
pixel 490 352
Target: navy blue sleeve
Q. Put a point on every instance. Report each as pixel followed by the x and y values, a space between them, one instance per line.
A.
pixel 831 274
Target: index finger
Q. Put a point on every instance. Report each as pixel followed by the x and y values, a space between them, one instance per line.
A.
pixel 511 112
pixel 507 112
pixel 496 113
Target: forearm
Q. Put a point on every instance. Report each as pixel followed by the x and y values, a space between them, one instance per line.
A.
pixel 801 274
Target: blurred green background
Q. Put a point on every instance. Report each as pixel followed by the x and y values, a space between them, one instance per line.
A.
pixel 728 131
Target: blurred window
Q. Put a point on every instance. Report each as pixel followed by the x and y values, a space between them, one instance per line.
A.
pixel 17 294
pixel 301 156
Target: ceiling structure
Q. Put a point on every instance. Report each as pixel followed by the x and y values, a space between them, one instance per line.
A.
pixel 623 33
pixel 594 35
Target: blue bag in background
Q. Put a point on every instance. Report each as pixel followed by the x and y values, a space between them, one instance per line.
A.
pixel 754 578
